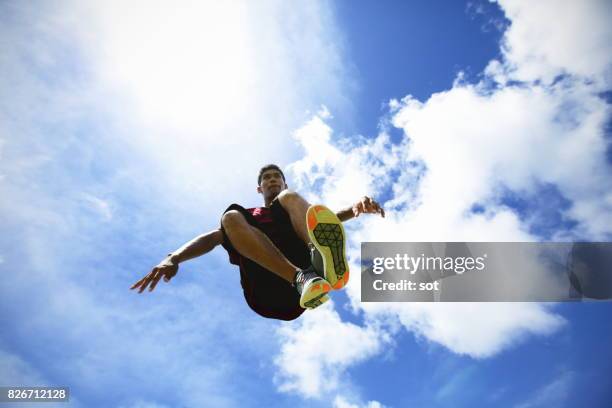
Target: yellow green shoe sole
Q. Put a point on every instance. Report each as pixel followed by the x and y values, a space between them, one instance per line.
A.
pixel 315 294
pixel 326 233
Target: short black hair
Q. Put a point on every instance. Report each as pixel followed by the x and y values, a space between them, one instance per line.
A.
pixel 269 167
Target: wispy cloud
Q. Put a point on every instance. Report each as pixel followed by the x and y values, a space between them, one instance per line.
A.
pixel 102 207
pixel 552 394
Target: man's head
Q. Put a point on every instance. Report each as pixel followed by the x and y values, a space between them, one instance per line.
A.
pixel 270 182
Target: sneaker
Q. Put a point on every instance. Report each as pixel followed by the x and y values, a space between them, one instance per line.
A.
pixel 312 288
pixel 327 235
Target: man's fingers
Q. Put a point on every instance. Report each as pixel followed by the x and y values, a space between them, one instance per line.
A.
pixel 367 205
pixel 155 280
pixel 134 286
pixel 140 283
pixel 144 285
pixel 152 279
pixel 364 203
pixel 378 208
pixel 373 206
pixel 147 280
pixel 154 284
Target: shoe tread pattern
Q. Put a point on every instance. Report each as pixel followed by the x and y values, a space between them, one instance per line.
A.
pixel 331 236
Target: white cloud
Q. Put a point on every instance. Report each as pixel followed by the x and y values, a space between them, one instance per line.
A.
pixel 129 127
pixel 548 38
pixel 342 402
pixel 422 214
pixel 469 145
pixel 474 143
pixel 182 92
pixel 318 347
pixel 451 325
pixel 342 177
pixel 473 329
pixel 123 101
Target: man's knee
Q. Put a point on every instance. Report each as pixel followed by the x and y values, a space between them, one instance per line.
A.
pixel 287 196
pixel 232 218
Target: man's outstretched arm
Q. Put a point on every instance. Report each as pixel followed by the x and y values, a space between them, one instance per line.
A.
pixel 168 267
pixel 366 205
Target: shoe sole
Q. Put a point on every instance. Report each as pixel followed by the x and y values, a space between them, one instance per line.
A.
pixel 314 303
pixel 315 294
pixel 326 233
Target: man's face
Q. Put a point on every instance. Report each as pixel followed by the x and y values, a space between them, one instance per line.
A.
pixel 271 184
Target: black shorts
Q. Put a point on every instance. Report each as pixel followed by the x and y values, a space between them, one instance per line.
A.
pixel 266 293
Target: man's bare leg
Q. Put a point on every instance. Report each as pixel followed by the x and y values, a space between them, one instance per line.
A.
pixel 296 206
pixel 331 262
pixel 255 245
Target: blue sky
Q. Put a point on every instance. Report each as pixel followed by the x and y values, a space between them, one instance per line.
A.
pixel 378 36
pixel 126 128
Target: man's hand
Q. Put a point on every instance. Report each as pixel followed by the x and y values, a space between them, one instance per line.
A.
pixel 166 269
pixel 369 206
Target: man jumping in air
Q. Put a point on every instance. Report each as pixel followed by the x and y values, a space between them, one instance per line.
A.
pixel 290 254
